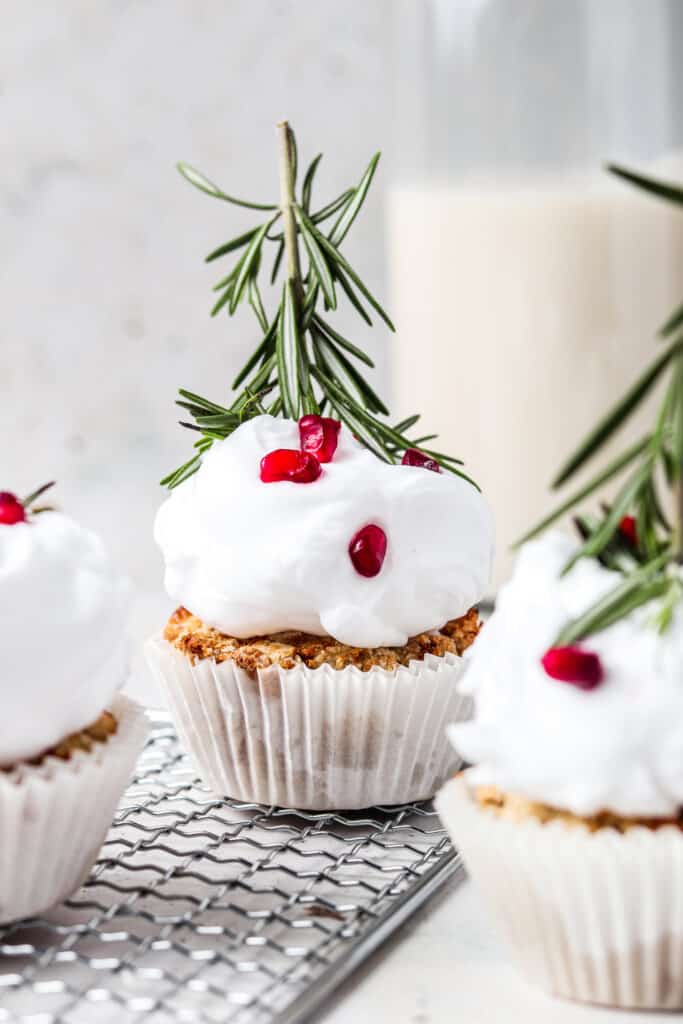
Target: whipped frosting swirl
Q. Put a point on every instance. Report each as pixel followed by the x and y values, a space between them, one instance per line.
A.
pixel 253 558
pixel 618 747
pixel 63 648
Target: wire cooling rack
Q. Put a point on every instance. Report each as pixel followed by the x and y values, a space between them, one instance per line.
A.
pixel 208 910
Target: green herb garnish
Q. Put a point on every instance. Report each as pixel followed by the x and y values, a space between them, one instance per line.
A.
pixel 650 559
pixel 301 364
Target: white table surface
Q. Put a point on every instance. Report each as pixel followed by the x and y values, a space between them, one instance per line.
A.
pixel 445 964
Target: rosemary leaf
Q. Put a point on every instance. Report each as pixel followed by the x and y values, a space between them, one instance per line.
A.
pixel 677 423
pixel 637 589
pixel 355 424
pixel 34 495
pixel 344 343
pixel 672 324
pixel 618 414
pixel 343 370
pixel 194 410
pixel 615 467
pixel 310 300
pixel 227 247
pixel 294 153
pixel 665 614
pixel 201 182
pixel 226 280
pixel 250 257
pixel 222 300
pixel 315 255
pixel 307 187
pixel 351 295
pixel 347 217
pixel 331 208
pixel 198 400
pixel 339 262
pixel 407 424
pixel 217 421
pixel 255 301
pixel 260 380
pixel 608 527
pixel 185 471
pixel 662 189
pixel 277 261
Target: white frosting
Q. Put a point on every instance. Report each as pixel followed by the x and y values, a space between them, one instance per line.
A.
pixel 618 747
pixel 251 558
pixel 63 649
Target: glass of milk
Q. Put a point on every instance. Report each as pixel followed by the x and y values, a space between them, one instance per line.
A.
pixel 527 284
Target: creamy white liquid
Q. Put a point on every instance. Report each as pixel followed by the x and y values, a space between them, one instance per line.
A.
pixel 522 313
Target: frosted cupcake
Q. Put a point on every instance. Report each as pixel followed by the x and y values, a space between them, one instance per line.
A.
pixel 307 665
pixel 326 566
pixel 570 820
pixel 68 741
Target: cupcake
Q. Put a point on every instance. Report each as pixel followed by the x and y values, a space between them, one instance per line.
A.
pixel 313 661
pixel 570 819
pixel 69 741
pixel 326 568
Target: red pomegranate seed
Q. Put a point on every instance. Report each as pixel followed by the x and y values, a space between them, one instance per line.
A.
pixel 11 509
pixel 319 436
pixel 368 549
pixel 574 665
pixel 289 464
pixel 414 457
pixel 629 530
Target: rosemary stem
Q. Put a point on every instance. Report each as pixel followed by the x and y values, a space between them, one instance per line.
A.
pixel 287 200
pixel 678 414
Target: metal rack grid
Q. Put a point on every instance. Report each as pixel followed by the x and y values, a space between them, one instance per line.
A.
pixel 208 910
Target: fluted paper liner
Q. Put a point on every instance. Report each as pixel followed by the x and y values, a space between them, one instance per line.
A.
pixel 316 739
pixel 55 815
pixel 592 916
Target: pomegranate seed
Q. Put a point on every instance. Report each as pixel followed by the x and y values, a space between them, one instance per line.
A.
pixel 574 665
pixel 414 457
pixel 319 436
pixel 289 464
pixel 629 530
pixel 11 509
pixel 368 549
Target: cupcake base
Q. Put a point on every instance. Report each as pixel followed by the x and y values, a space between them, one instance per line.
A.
pixel 315 739
pixel 54 815
pixel 595 916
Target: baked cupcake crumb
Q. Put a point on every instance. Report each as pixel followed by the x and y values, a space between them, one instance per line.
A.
pixel 197 641
pixel 518 809
pixel 99 732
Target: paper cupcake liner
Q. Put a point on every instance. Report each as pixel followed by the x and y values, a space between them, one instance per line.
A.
pixel 316 739
pixel 592 916
pixel 54 816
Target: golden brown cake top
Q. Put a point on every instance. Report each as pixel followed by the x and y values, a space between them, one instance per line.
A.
pixel 100 731
pixel 196 641
pixel 517 808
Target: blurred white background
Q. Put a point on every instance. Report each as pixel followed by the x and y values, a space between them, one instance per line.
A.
pixel 105 299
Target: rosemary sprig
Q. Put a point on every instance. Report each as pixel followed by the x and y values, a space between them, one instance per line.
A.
pixel 301 362
pixel 650 566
